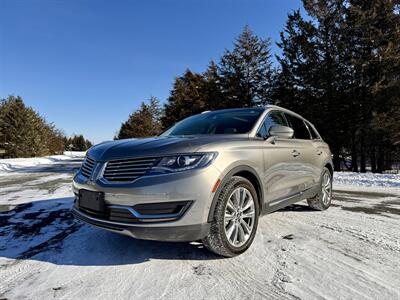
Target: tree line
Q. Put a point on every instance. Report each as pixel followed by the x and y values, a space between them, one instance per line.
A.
pixel 339 67
pixel 24 133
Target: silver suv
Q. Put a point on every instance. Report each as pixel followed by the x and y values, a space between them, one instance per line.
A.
pixel 208 178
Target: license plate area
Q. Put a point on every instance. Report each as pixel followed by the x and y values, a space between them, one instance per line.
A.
pixel 93 201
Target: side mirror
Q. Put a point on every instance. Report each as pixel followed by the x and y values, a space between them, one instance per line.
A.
pixel 279 131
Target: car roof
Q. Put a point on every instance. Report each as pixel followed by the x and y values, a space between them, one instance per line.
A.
pixel 256 108
pixel 235 109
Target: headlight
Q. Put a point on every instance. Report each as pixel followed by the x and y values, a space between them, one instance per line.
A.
pixel 178 163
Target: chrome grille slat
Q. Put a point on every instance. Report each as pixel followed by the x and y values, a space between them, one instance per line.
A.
pixel 123 174
pixel 131 162
pixel 130 165
pixel 128 169
pixel 87 167
pixel 122 177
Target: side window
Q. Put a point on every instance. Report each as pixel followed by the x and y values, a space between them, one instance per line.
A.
pixel 314 134
pixel 299 128
pixel 273 118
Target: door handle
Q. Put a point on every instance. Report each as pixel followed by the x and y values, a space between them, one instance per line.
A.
pixel 319 152
pixel 295 153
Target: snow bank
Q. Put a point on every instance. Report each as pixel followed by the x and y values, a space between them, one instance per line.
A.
pixel 367 179
pixel 13 164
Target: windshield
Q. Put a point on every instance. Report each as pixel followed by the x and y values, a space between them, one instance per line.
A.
pixel 233 121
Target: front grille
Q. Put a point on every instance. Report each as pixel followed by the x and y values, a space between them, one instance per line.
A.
pixel 125 170
pixel 87 167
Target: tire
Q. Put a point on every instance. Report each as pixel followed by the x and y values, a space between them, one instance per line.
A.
pixel 323 199
pixel 222 239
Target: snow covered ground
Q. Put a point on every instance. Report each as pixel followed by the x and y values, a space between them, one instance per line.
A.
pixel 26 164
pixel 351 251
pixel 367 179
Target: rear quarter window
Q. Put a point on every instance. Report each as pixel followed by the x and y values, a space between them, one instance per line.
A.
pixel 299 127
pixel 314 134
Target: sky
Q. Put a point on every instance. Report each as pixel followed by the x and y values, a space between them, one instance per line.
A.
pixel 86 65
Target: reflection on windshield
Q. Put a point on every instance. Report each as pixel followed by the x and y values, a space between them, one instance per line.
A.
pixel 234 121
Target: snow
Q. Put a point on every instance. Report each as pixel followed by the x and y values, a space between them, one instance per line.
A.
pixel 350 251
pixel 367 179
pixel 25 164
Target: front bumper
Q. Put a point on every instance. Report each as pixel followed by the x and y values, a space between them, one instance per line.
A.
pixel 193 187
pixel 186 233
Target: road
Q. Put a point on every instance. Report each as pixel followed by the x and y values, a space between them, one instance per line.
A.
pixel 351 250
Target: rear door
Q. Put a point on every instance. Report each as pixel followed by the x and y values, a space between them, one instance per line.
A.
pixel 304 154
pixel 321 149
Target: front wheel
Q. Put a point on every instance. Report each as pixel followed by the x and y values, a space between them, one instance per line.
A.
pixel 235 218
pixel 324 197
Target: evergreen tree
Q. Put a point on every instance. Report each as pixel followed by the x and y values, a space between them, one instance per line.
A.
pixel 144 122
pixel 187 98
pixel 77 143
pixel 24 133
pixel 246 72
pixel 341 71
pixel 314 77
pixel 88 144
pixel 244 77
pixel 374 35
pixel 212 90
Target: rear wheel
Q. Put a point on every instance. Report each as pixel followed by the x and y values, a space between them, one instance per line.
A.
pixel 324 197
pixel 235 218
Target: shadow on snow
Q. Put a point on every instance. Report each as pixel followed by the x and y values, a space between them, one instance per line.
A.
pixel 46 231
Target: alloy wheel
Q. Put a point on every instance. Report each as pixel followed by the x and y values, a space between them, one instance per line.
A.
pixel 326 189
pixel 239 216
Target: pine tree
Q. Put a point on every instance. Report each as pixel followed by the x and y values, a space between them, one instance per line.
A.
pixel 76 143
pixel 341 71
pixel 374 33
pixel 187 98
pixel 24 133
pixel 314 78
pixel 212 90
pixel 246 71
pixel 79 143
pixel 144 122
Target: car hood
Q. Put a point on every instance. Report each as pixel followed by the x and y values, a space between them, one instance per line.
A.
pixel 155 146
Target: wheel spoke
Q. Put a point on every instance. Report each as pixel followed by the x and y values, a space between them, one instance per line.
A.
pixel 229 229
pixel 230 205
pixel 237 198
pixel 228 217
pixel 247 203
pixel 245 227
pixel 242 235
pixel 328 184
pixel 249 214
pixel 235 234
pixel 242 197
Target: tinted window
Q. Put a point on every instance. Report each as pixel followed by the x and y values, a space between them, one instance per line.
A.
pixel 273 118
pixel 299 127
pixel 234 121
pixel 314 134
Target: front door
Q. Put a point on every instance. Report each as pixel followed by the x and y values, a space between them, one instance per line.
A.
pixel 280 178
